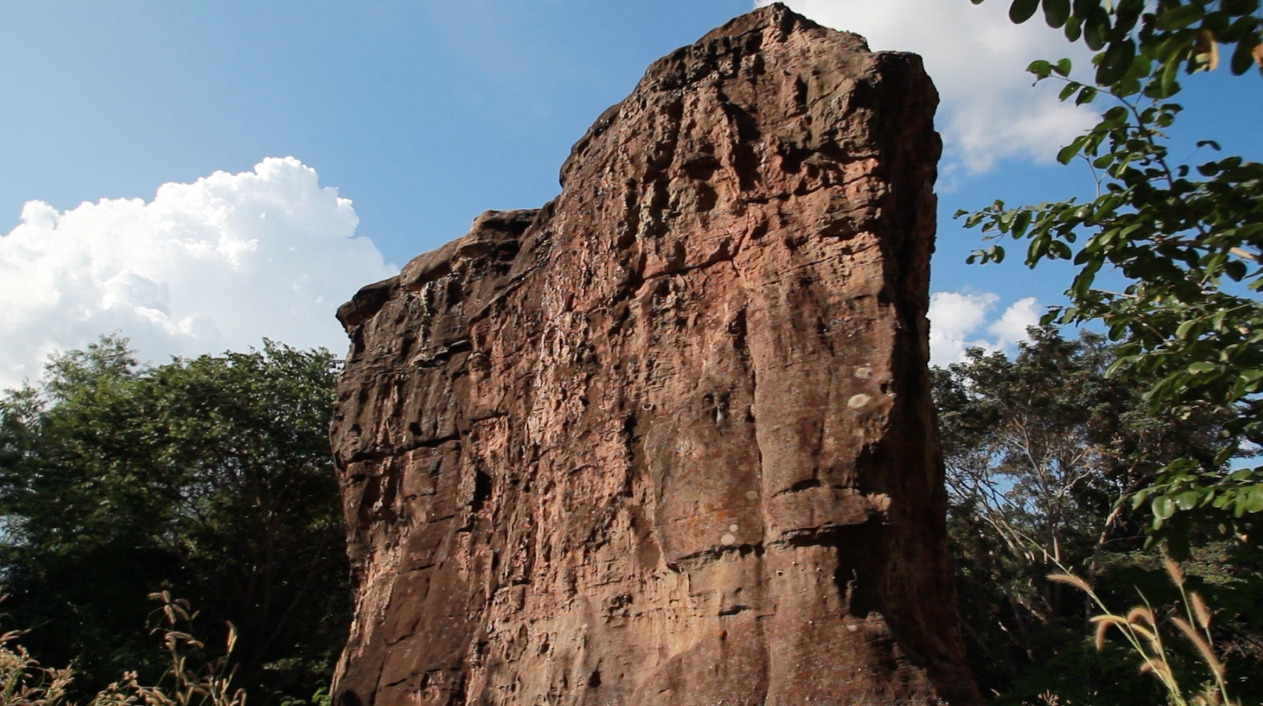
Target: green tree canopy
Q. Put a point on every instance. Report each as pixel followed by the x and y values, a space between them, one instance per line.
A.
pixel 1186 240
pixel 1039 448
pixel 210 476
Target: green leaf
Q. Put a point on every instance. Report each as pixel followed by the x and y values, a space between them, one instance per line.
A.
pixel 1116 62
pixel 1252 375
pixel 1058 250
pixel 1042 69
pixel 1005 221
pixel 1237 8
pixel 1163 507
pixel 1095 29
pixel 1187 500
pixel 1037 249
pixel 1074 29
pixel 1056 12
pixel 1169 73
pixel 1119 364
pixel 1200 368
pixel 1116 116
pixel 1242 58
pixel 1254 499
pixel 1021 223
pixel 1180 16
pixel 1022 10
pixel 1241 502
pixel 1070 151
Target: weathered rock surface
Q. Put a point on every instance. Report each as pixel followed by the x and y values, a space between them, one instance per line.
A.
pixel 669 439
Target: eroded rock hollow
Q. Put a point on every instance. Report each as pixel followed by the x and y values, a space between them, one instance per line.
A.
pixel 668 439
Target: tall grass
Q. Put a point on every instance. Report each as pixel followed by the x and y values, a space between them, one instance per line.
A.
pixel 190 679
pixel 1144 632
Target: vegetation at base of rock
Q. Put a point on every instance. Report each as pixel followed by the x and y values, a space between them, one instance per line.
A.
pixel 1143 630
pixel 210 476
pixel 1187 240
pixel 190 678
pixel 1039 449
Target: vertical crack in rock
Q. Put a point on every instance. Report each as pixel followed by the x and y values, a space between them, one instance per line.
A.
pixel 669 439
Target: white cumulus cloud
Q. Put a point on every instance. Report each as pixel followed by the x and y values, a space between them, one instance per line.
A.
pixel 204 267
pixel 962 320
pixel 978 60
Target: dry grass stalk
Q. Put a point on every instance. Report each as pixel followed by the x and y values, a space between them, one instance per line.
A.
pixel 1140 627
pixel 24 683
pixel 1139 613
pixel 1103 623
pixel 1173 570
pixel 1200 609
pixel 1071 580
pixel 1203 646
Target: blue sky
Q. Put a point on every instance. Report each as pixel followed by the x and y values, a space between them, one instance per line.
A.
pixel 423 113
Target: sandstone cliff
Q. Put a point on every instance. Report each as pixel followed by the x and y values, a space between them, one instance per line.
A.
pixel 669 439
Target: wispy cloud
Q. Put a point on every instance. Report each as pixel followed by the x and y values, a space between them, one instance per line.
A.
pixel 203 267
pixel 977 58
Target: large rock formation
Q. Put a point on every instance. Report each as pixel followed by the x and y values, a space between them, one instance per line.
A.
pixel 669 439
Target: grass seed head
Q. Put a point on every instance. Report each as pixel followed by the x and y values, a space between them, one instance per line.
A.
pixel 1200 609
pixel 1202 646
pixel 1177 574
pixel 1141 613
pixel 1072 580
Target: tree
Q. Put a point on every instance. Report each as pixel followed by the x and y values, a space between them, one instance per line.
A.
pixel 1187 241
pixel 1044 446
pixel 1039 449
pixel 211 476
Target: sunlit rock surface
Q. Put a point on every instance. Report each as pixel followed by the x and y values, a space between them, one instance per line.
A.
pixel 668 439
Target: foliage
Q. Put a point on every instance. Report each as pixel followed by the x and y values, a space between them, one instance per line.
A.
pixel 1142 628
pixel 210 684
pixel 212 475
pixel 1038 450
pixel 1186 240
pixel 206 683
pixel 23 682
pixel 1045 445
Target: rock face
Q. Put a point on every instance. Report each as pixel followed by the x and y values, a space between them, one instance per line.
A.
pixel 669 439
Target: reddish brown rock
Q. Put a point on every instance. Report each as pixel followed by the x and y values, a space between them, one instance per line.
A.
pixel 668 440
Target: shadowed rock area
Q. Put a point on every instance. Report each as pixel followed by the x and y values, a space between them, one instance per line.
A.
pixel 668 439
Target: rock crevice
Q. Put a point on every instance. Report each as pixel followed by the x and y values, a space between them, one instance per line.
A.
pixel 668 439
